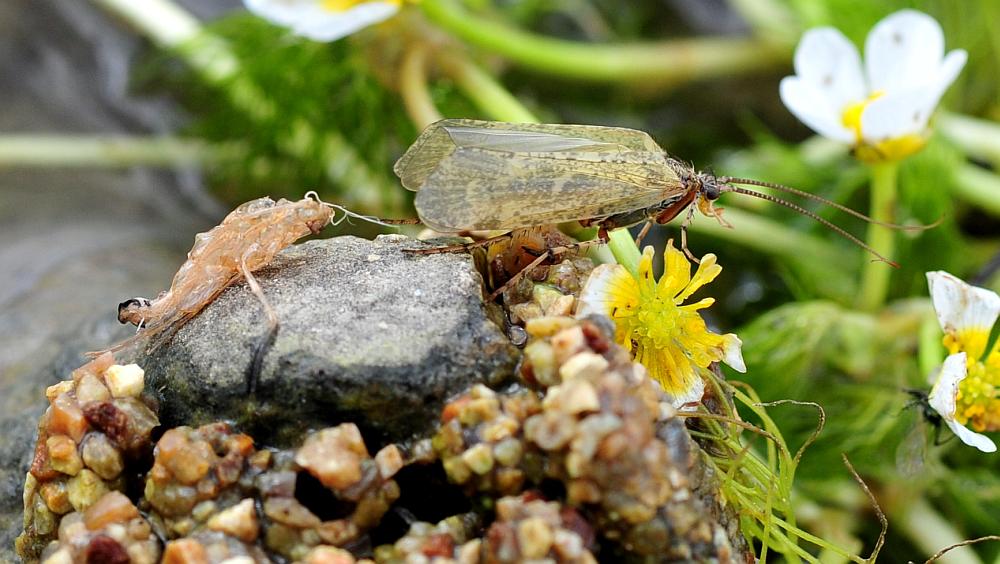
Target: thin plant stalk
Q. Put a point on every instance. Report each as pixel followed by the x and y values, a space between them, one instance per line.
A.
pixel 413 87
pixel 483 90
pixel 930 532
pixel 875 274
pixel 773 238
pixel 979 187
pixel 978 138
pixel 666 63
pixel 624 249
pixel 104 151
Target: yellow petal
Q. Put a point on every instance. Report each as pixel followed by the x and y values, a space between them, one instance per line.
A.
pixel 646 281
pixel 674 372
pixel 610 290
pixel 676 272
pixel 707 271
pixel 700 304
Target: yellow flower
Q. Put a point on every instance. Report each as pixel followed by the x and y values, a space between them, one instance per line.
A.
pixel 670 339
pixel 966 390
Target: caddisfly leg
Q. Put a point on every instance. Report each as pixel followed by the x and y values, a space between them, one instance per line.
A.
pixel 461 247
pixel 602 238
pixel 643 232
pixel 684 235
pixel 261 348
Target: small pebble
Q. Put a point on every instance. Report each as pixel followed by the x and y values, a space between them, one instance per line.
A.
pixel 63 456
pixel 479 459
pixel 238 521
pixel 184 551
pixel 125 381
pixel 85 489
pixel 583 365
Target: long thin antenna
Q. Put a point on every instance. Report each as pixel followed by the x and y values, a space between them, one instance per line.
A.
pixel 405 221
pixel 808 213
pixel 814 197
pixel 348 213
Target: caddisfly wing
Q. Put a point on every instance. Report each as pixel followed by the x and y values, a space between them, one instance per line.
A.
pixel 488 175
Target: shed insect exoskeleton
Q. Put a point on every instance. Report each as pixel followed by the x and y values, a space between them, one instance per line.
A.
pixel 246 240
pixel 473 175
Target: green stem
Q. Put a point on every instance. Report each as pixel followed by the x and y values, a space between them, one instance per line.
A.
pixel 624 249
pixel 923 525
pixel 114 151
pixel 771 237
pixel 875 274
pixel 171 28
pixel 930 353
pixel 978 138
pixel 413 87
pixel 978 186
pixel 485 92
pixel 664 63
pixel 769 18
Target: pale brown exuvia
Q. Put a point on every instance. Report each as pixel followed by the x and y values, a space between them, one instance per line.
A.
pixel 247 239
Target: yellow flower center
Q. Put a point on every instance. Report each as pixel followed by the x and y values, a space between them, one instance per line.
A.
pixel 670 339
pixel 851 116
pixel 893 149
pixel 978 400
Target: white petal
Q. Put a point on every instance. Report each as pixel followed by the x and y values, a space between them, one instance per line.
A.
pixel 945 390
pixel 960 306
pixel 330 26
pixel 896 114
pixel 813 108
pixel 972 438
pixel 733 353
pixel 829 62
pixel 946 74
pixel 904 111
pixel 594 296
pixel 901 49
pixel 942 400
pixel 281 12
pixel 689 400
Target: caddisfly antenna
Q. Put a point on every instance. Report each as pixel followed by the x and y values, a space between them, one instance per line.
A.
pixel 814 216
pixel 832 204
pixel 347 213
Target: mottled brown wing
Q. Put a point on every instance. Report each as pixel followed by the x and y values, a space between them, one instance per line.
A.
pixel 442 138
pixel 479 189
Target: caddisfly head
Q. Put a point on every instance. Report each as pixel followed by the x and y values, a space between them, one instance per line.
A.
pixel 709 187
pixel 131 311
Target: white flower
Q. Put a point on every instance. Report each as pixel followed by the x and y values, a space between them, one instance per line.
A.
pixel 943 399
pixel 967 388
pixel 883 107
pixel 323 20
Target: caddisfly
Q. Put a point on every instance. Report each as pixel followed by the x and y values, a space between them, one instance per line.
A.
pixel 473 175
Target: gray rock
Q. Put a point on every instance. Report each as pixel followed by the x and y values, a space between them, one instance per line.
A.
pixel 367 334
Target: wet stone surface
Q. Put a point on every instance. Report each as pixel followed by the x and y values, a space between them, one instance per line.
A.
pixel 367 334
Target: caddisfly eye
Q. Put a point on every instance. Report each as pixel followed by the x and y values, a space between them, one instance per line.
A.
pixel 712 191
